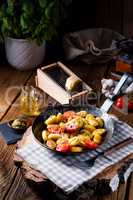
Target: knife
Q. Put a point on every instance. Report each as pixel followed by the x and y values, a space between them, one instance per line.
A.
pixel 116 93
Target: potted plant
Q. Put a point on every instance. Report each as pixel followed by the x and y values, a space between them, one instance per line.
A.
pixel 25 25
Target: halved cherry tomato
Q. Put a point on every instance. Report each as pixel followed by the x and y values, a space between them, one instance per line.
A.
pixel 63 147
pixel 54 128
pixel 71 128
pixel 120 103
pixel 68 114
pixel 90 144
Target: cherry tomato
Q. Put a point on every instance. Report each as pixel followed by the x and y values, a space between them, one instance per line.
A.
pixel 90 144
pixel 119 102
pixel 71 128
pixel 68 114
pixel 64 147
pixel 54 128
pixel 130 105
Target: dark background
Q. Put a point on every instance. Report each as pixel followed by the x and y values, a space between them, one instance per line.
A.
pixel 81 14
pixel 113 14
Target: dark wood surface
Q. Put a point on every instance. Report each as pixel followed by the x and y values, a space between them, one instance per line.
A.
pixel 12 184
pixel 113 14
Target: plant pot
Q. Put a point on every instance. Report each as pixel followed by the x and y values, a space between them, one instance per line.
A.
pixel 24 54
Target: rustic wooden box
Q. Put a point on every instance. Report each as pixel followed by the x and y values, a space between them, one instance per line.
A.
pixel 51 79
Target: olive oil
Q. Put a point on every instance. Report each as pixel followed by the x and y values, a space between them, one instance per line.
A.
pixel 30 101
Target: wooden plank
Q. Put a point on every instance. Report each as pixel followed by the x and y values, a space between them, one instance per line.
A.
pixel 10 84
pixel 112 196
pixel 121 191
pixel 20 190
pixel 129 195
pixel 126 117
pixel 8 171
pixel 6 179
pixel 128 18
pixel 109 14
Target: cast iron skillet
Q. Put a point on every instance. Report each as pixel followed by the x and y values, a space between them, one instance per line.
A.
pixel 38 125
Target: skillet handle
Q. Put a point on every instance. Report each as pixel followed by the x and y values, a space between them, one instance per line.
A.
pixel 118 87
pixel 116 93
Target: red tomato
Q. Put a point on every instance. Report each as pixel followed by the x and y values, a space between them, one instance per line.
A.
pixel 64 147
pixel 54 128
pixel 130 105
pixel 71 128
pixel 119 102
pixel 90 144
pixel 68 114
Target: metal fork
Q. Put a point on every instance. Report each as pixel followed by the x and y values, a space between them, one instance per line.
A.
pixel 89 163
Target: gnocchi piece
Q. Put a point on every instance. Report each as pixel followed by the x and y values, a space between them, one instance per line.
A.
pixel 54 128
pixel 82 139
pixel 85 122
pixel 54 136
pixel 51 120
pixel 78 121
pixel 74 141
pixel 59 117
pixel 100 131
pixel 72 135
pixel 89 116
pixel 86 133
pixel 62 126
pixel 89 127
pixel 45 135
pixel 100 121
pixel 76 149
pixel 65 135
pixel 97 138
pixel 93 122
pixel 61 140
pixel 82 113
pixel 51 144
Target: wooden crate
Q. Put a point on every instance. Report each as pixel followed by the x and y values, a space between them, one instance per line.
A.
pixel 51 79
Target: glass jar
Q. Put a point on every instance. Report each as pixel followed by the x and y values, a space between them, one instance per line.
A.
pixel 32 101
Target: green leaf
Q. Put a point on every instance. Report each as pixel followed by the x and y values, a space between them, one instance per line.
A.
pixel 10 8
pixel 27 6
pixel 36 19
pixel 48 10
pixel 23 22
pixel 42 3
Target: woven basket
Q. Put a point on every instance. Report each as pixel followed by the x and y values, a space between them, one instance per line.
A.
pixel 91 45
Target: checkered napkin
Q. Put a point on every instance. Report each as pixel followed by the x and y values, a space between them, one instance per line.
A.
pixel 61 169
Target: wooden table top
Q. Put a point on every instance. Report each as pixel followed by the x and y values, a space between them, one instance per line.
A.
pixel 12 184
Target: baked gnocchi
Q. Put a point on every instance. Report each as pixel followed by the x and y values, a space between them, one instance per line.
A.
pixel 73 131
